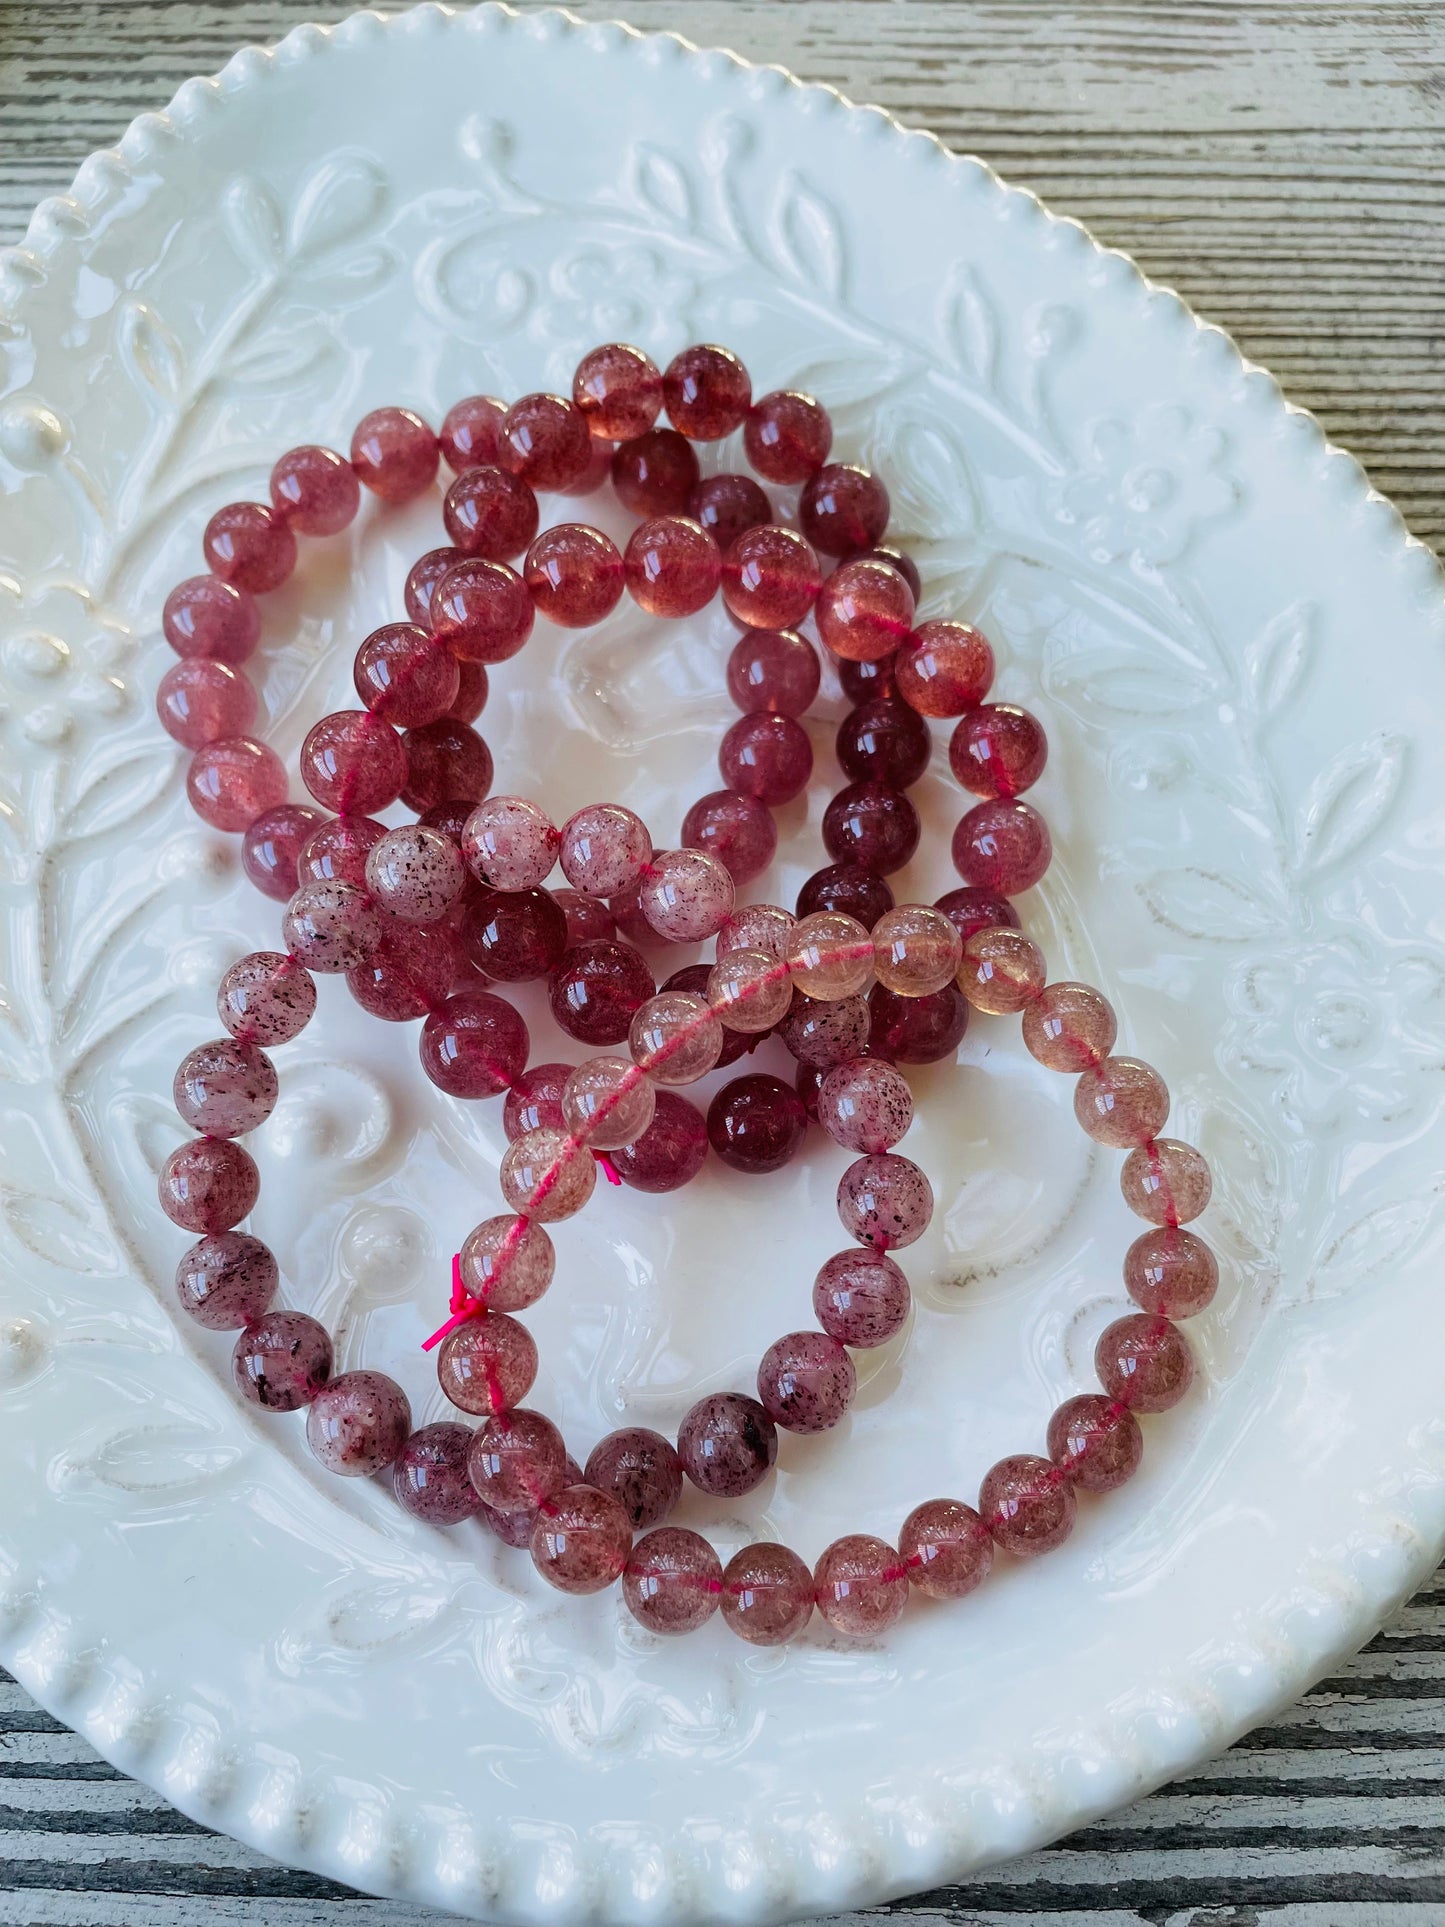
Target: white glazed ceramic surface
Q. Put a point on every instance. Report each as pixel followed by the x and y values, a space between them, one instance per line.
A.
pixel 1237 651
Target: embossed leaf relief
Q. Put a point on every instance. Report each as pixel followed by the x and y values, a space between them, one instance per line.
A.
pixel 396 1616
pixel 155 1465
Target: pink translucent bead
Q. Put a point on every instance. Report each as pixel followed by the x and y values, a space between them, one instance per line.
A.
pixel 471 696
pixel 430 1479
pixel 482 611
pixel 830 955
pixel 316 490
pixel 415 873
pixel 1001 971
pixel 225 1088
pixel 581 1540
pixel 596 989
pixel 475 1045
pixel 353 762
pixel 469 432
pixel 394 454
pixel 884 741
pixel 249 545
pixel 1069 1027
pixel 946 1548
pixel 998 749
pixel 445 762
pixel 507 1263
pixel 588 918
pixel 1028 1505
pixel 767 757
pixel 1121 1102
pixel 787 436
pixel 1165 1182
pixel 1170 1270
pixel 517 1460
pixel 547 1176
pixel 411 972
pixel 686 895
pixel 872 825
pixel 727 1445
pixel 226 1281
pixel 639 1469
pixel 767 1594
pixel 574 574
pixel 200 701
pixel 726 505
pixel 770 578
pixel 706 391
pixel 266 998
pixel 627 913
pixel 337 850
pixel 843 509
pixel 675 1038
pixel 489 1364
pixel 331 927
pixel 1003 846
pixel 206 617
pixel 735 829
pixel 1096 1441
pixel 544 441
pixel 490 515
pixel 758 926
pixel 514 936
pixel 421 581
pixel 607 1102
pixel 655 473
pixel 864 610
pixel 945 669
pixel 970 910
pixel 861 1298
pixel 806 1382
pixel 916 1030
pixel 405 675
pixel 670 1152
pixel 749 990
pixel 865 1105
pixel 510 843
pixel 860 1586
pixel 773 669
pixel 673 1581
pixel 916 950
pixel 208 1184
pixel 618 391
pixel 604 849
pixel 828 1033
pixel 885 1201
pixel 1144 1362
pixel 281 1361
pixel 232 782
pixel 358 1423
pixel 672 566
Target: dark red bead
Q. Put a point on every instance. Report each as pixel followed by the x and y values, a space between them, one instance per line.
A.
pixel 884 741
pixel 413 971
pixel 272 844
pixel 773 669
pixel 970 910
pixel 421 581
pixel 472 690
pixel 862 681
pixel 490 514
pixel 904 564
pixel 655 473
pixel 706 391
pixel 475 1045
pixel 847 887
pixel 482 611
pixel 404 674
pixel 787 436
pixel 694 979
pixel 394 454
pixel 588 918
pixel 757 1123
pixel 596 990
pixel 998 749
pixel 916 1030
pixel 514 935
pixel 767 757
pixel 1002 846
pixel 545 442
pixel 843 509
pixel 806 1082
pixel 469 432
pixel 726 505
pixel 445 762
pixel 872 825
pixel 670 1152
pixel 736 829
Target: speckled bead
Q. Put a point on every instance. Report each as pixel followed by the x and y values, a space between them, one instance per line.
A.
pixel 946 1547
pixel 686 895
pixel 672 566
pixel 1028 1505
pixel 944 669
pixel 266 998
pixel 415 873
pixel 860 1586
pixel 758 926
pixel 1144 1362
pixel 1164 1182
pixel 1069 1027
pixel 1121 1102
pixel 282 1360
pixel 507 1262
pixel 205 617
pixel 394 454
pixel 482 611
pixel 1171 1271
pixel 358 1423
pixel 516 1460
pixel 861 1298
pixel 727 1445
pixel 770 578
pixel 864 611
pixel 604 849
pixel 672 1582
pixel 830 955
pixel 226 1281
pixel 825 1034
pixel 806 1381
pixel 641 1470
pixel 767 1594
pixel 336 852
pixel 430 1479
pixel 225 1088
pixel 885 1201
pixel 546 1176
pixel 1001 971
pixel 787 436
pixel 574 575
pixel 865 1105
pixel 487 1365
pixel 1096 1440
pixel 208 1184
pixel 332 927
pixel 581 1540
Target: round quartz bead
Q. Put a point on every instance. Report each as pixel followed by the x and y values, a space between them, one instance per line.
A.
pixel 672 566
pixel 727 1445
pixel 489 1364
pixel 517 1460
pixel 225 1088
pixel 758 926
pixel 1003 846
pixel 998 749
pixel 337 850
pixel 472 691
pixel 1144 1362
pixel 394 454
pixel 639 1469
pixel 749 990
pixel 787 436
pixel 825 1034
pixel 736 830
pixel 208 1184
pixel 581 1540
pixel 885 1201
pixel 316 490
pixel 843 509
pixel 281 1360
pixel 766 757
pixel 916 1030
pixel 588 918
pixel 655 473
pixel 686 895
pixel 353 762
pixel 535 1099
pixel 421 581
pixel 706 392
pixel 574 574
pixel 607 1102
pixel 670 1152
pixel 871 825
pixel 806 1382
pixel 546 1176
pixel 865 1105
pixel 1069 1027
pixel 767 1594
pixel 358 1423
pixel 775 670
pixel 266 998
pixel 675 1038
pixel 226 1281
pixel 673 1581
pixel 490 516
pixel 807 1080
pixel 199 702
pixel 249 545
pixel 515 936
pixel 510 843
pixel 416 874
pixel 1002 971
pixel 858 893
pixel 469 431
pixel 770 578
pixel 430 1479
pixel 896 559
pixel 945 669
pixel 861 1298
pixel 232 782
pixel 864 611
pixel 725 505
pixel 597 989
pixel 482 611
pixel 618 391
pixel 694 978
pixel 1171 1271
pixel 331 927
pixel 215 620
pixel 757 1124
pixel 604 849
pixel 411 972
pixel 864 682
pixel 1096 1441
pixel 946 1547
pixel 475 1045
pixel 970 911
pixel 915 950
pixel 445 762
pixel 860 1586
pixel 884 741
pixel 507 1263
pixel 1165 1182
pixel 1121 1102
pixel 404 675
pixel 544 442
pixel 830 956
pixel 1027 1504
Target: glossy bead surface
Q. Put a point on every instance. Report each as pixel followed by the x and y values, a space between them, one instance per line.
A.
pixel 430 1479
pixel 1165 1182
pixel 670 1152
pixel 208 1184
pixel 607 1102
pixel 843 509
pixel 758 926
pixel 641 1470
pixel 1144 1362
pixel 830 955
pixel 767 757
pixel 415 873
pixel 469 431
pixel 998 749
pixel 916 1030
pixel 1096 1441
pixel 767 1594
pixel 672 566
pixel 445 762
pixel 581 1540
pixel 205 617
pixel 860 1586
pixel 916 950
pixel 226 1281
pixel 862 681
pixel 574 574
pixel 597 989
pixel 331 927
pixel 944 669
pixel 316 490
pixel 394 454
pixel 546 1176
pixel 673 1581
pixel 412 971
pixel 489 1364
pixel 515 936
pixel 1027 1504
pixel 756 1124
pixel 675 1038
pixel 336 851
pixel 864 611
pixel 353 762
pixel 736 830
pixel 604 849
pixel 475 1045
pixel 946 1547
pixel 618 391
pixel 1069 1027
pixel 858 893
pixel 506 1262
pixel 199 702
pixel 281 1361
pixel 1001 971
pixel 885 1201
pixel 727 1445
pixel 544 442
pixel 421 581
pixel 358 1423
pixel 725 505
pixel 1003 846
pixel 884 741
pixel 872 825
pixel 770 578
pixel 266 998
pixel 509 843
pixel 775 670
pixel 588 918
pixel 706 391
pixel 826 1032
pixel 861 1298
pixel 655 473
pixel 787 436
pixel 490 515
pixel 1121 1102
pixel 405 675
pixel 225 1088
pixel 686 895
pixel 749 990
pixel 806 1381
pixel 482 611
pixel 231 782
pixel 250 546
pixel 864 1104
pixel 516 1460
pixel 1171 1271
pixel 970 910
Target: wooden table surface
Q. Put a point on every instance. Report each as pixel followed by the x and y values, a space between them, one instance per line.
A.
pixel 1279 164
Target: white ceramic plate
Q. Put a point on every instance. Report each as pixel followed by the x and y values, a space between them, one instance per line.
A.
pixel 1238 653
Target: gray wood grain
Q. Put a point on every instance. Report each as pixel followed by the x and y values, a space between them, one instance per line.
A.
pixel 1279 164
